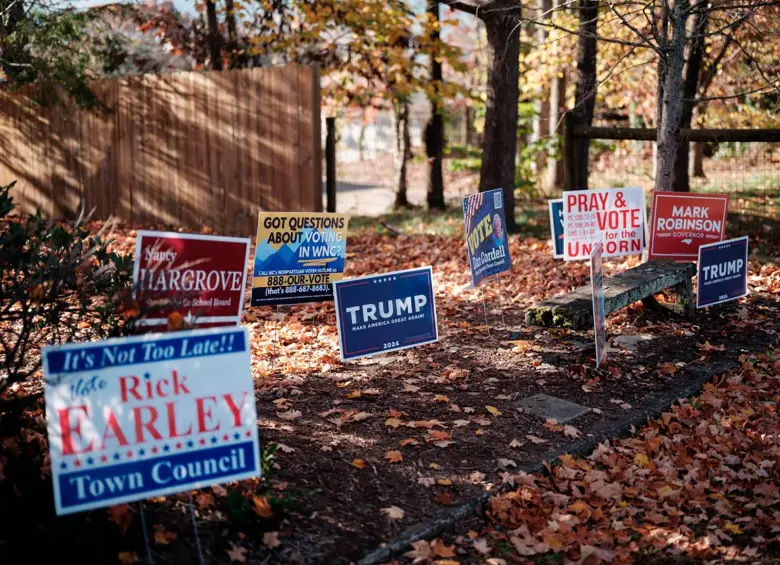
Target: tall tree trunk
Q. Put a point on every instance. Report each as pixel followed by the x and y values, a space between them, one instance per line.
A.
pixel 434 131
pixel 471 131
pixel 362 134
pixel 403 145
pixel 680 178
pixel 500 140
pixel 698 159
pixel 541 123
pixel 232 46
pixel 554 176
pixel 585 91
pixel 672 103
pixel 214 37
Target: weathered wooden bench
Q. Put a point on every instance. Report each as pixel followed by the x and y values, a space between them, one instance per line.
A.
pixel 575 309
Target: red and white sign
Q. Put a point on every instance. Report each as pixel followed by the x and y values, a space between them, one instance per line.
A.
pixel 202 277
pixel 684 222
pixel 612 216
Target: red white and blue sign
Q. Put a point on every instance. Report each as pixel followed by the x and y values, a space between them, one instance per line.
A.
pixel 487 242
pixel 722 272
pixel 151 415
pixel 387 312
pixel 556 226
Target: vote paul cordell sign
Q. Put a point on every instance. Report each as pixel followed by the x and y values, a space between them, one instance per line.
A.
pixel 150 415
pixel 486 238
pixel 298 256
pixel 386 312
pixel 613 216
pixel 683 222
pixel 200 276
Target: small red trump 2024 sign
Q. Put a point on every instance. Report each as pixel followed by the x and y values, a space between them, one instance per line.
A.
pixel 202 277
pixel 684 222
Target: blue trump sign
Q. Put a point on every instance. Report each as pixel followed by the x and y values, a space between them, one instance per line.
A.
pixel 722 272
pixel 556 226
pixel 486 238
pixel 385 312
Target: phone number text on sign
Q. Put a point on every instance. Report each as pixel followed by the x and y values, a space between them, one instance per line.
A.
pixel 612 216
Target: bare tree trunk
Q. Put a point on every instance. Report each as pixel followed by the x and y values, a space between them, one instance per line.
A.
pixel 585 91
pixel 232 46
pixel 557 110
pixel 362 135
pixel 434 131
pixel 680 179
pixel 403 145
pixel 541 123
pixel 672 103
pixel 698 160
pixel 500 141
pixel 214 37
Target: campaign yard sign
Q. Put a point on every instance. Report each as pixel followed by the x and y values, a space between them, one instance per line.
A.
pixel 722 272
pixel 487 243
pixel 297 257
pixel 599 315
pixel 683 222
pixel 556 226
pixel 202 277
pixel 387 312
pixel 613 216
pixel 149 415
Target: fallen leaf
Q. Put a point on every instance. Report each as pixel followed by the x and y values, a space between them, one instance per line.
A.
pixel 426 481
pixel 733 529
pixel 394 456
pixel 440 398
pixel 443 498
pixel 641 460
pixel 271 539
pixel 262 507
pixel 237 553
pixel 481 546
pixel 219 490
pixel 505 463
pixel 393 422
pixel 468 410
pixel 285 448
pixel 461 423
pixel 493 410
pixel 291 415
pixel 163 536
pixel 360 416
pixel 536 440
pixel 205 500
pixel 439 549
pixel 352 395
pixel 571 431
pixel 516 443
pixel 127 557
pixel 121 516
pixel 359 463
pixel 393 512
pixel 408 441
pixel 421 551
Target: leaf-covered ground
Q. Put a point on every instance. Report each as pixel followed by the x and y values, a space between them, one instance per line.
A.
pixel 699 483
pixel 367 449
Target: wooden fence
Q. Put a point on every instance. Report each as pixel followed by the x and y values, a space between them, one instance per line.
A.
pixel 178 150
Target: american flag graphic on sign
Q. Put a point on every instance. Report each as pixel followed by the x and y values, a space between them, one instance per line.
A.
pixel 471 205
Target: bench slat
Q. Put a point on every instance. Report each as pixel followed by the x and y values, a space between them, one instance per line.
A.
pixel 575 309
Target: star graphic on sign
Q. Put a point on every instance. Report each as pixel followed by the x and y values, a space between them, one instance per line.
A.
pixel 190 444
pixel 189 319
pixel 236 435
pixel 166 449
pixel 202 441
pixel 129 453
pixel 103 459
pixel 116 456
pixel 178 445
pixel 225 437
pixel 154 449
pixel 63 465
pixel 249 433
pixel 147 375
pixel 90 461
pixel 214 439
pixel 142 452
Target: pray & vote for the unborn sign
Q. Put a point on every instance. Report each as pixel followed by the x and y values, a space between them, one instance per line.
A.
pixel 146 416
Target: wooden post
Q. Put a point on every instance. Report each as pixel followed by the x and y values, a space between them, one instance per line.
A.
pixel 568 152
pixel 330 163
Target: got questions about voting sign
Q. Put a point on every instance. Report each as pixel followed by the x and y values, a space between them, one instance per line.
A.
pixel 486 238
pixel 722 272
pixel 386 312
pixel 150 415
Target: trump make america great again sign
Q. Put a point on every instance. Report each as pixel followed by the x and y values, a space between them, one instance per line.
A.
pixel 385 312
pixel 613 216
pixel 202 277
pixel 151 415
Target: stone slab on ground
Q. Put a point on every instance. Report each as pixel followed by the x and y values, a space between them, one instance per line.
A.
pixel 545 406
pixel 575 309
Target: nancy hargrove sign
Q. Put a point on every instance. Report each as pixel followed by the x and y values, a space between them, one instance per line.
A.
pixel 151 415
pixel 386 312
pixel 298 256
pixel 613 216
pixel 200 276
pixel 487 242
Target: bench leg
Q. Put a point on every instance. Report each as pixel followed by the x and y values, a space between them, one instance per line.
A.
pixel 684 292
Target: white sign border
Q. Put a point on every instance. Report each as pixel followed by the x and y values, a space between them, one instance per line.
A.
pixel 698 270
pixel 429 268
